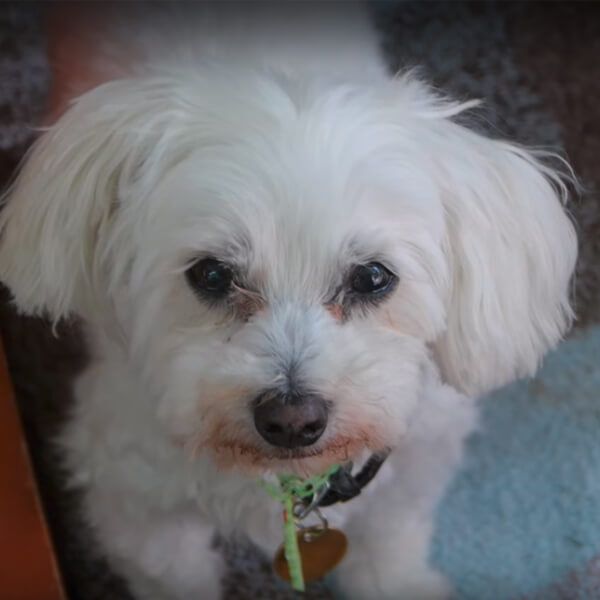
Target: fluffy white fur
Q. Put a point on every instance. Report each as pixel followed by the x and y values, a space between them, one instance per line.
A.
pixel 294 156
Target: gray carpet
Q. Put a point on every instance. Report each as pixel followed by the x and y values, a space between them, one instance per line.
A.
pixel 535 66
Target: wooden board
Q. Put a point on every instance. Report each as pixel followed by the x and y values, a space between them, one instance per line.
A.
pixel 28 569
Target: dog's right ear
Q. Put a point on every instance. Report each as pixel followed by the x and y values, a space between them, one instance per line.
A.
pixel 57 214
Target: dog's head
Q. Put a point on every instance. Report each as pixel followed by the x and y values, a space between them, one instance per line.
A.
pixel 279 260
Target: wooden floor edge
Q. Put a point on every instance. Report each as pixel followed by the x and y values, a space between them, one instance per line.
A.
pixel 28 565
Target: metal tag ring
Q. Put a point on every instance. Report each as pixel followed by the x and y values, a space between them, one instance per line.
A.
pixel 303 508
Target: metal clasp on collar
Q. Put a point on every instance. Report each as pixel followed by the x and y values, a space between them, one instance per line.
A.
pixel 302 508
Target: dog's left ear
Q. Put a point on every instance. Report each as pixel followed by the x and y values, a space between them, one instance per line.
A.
pixel 511 250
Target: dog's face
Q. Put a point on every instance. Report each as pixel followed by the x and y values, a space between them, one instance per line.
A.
pixel 280 262
pixel 285 301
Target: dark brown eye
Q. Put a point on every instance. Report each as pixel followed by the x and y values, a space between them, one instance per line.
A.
pixel 372 278
pixel 210 277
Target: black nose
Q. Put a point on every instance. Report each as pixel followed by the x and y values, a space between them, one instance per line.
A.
pixel 290 421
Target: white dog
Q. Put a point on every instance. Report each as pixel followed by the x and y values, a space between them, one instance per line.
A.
pixel 285 259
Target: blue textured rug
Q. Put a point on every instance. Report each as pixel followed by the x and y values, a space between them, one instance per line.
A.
pixel 522 517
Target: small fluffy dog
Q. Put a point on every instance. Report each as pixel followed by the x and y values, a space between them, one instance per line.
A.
pixel 285 259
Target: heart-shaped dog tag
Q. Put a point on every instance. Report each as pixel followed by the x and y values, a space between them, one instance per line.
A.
pixel 320 551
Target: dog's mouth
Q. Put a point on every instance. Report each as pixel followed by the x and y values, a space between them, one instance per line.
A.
pixel 303 462
pixel 252 457
pixel 235 446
